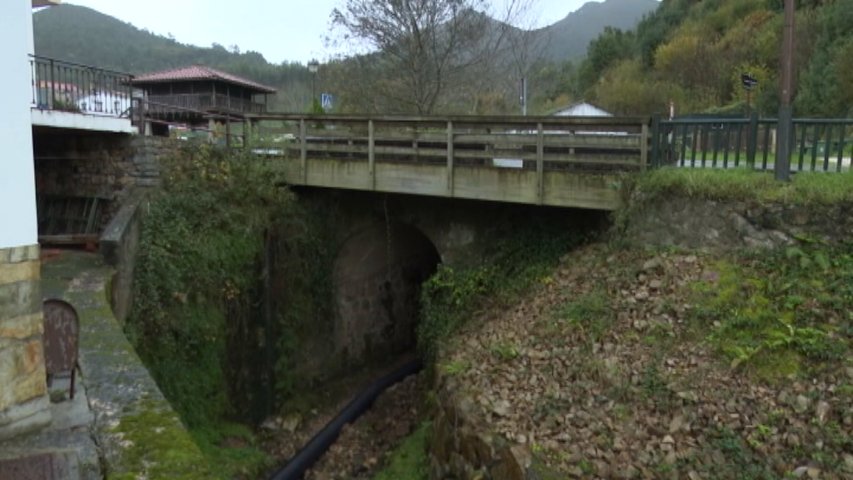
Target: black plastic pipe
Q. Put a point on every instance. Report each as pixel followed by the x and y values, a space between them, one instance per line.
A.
pixel 314 449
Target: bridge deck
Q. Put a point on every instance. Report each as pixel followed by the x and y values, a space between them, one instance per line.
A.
pixel 564 162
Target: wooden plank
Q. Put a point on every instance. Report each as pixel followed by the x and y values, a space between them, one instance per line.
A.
pixel 371 154
pixel 450 158
pixel 94 208
pixel 592 191
pixel 303 151
pixel 424 154
pixel 335 173
pixel 563 189
pixel 632 123
pixel 616 142
pixel 540 164
pixel 69 239
pixel 247 134
pixel 644 147
pixel 495 184
pixel 419 179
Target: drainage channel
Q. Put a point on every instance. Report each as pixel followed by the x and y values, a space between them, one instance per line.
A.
pixel 320 443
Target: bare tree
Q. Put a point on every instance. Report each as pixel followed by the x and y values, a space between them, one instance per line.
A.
pixel 423 47
pixel 524 48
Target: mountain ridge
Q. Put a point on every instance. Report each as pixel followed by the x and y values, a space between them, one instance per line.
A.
pixel 84 35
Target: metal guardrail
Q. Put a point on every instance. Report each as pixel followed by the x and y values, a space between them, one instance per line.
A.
pixel 820 145
pixel 72 87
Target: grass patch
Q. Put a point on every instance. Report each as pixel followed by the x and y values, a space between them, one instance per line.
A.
pixel 157 447
pixel 512 263
pixel 740 461
pixel 743 184
pixel 409 461
pixel 780 312
pixel 233 446
pixel 591 315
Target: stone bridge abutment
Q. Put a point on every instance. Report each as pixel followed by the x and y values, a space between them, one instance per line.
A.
pixel 389 244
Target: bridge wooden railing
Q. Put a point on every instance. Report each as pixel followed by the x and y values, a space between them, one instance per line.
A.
pixel 515 159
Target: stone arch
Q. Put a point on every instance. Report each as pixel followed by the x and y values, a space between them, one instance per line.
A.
pixel 377 277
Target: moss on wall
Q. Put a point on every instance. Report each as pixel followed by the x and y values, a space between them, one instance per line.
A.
pixel 196 317
pixel 158 447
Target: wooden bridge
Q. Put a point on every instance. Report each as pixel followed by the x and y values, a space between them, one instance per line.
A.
pixel 553 161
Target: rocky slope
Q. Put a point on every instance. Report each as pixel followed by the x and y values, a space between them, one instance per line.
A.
pixel 610 371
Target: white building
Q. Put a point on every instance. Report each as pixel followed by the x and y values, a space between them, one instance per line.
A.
pixel 582 109
pixel 24 405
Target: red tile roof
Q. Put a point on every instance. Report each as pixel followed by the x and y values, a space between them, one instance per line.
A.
pixel 199 72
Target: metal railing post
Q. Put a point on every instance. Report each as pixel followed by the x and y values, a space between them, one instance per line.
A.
pixel 752 140
pixel 656 141
pixel 52 87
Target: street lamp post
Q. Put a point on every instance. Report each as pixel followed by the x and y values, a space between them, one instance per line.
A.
pixel 313 67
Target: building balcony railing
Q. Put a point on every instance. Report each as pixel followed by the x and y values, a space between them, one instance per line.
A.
pixel 70 87
pixel 202 102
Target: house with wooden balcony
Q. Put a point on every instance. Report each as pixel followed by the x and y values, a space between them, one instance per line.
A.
pixel 197 95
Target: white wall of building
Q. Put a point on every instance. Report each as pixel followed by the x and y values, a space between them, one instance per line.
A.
pixel 18 221
pixel 582 109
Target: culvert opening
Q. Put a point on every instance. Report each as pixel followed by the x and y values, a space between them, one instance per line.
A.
pixel 378 276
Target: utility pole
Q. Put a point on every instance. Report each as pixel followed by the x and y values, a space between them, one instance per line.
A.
pixel 785 128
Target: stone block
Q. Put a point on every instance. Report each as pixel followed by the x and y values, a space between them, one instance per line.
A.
pixel 22 326
pixel 513 464
pixel 22 371
pixel 23 254
pixel 18 272
pixel 20 298
pixel 58 465
pixel 24 417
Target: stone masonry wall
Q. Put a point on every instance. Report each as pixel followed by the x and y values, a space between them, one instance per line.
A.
pixel 707 224
pixel 107 166
pixel 462 447
pixel 23 389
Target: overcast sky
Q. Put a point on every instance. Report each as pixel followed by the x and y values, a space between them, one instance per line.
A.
pixel 281 30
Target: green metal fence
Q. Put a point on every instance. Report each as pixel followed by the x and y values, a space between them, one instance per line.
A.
pixel 824 145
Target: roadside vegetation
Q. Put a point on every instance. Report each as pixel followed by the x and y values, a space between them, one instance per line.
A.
pixel 672 363
pixel 409 460
pixel 747 185
pixel 693 53
pixel 515 261
pixel 197 284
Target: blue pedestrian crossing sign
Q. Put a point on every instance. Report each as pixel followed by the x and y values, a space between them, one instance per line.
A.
pixel 327 100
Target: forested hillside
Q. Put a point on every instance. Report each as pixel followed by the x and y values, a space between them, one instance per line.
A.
pixel 568 38
pixel 83 35
pixel 693 53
